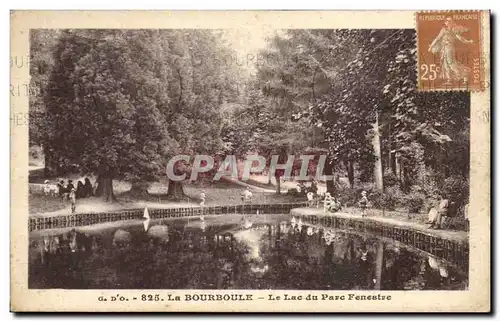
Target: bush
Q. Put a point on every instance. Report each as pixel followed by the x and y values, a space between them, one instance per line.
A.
pixel 376 199
pixel 415 202
pixel 382 200
pixel 304 189
pixel 350 197
pixel 390 180
pixel 455 188
pixel 294 192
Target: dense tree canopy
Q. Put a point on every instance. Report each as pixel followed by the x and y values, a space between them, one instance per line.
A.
pixel 120 103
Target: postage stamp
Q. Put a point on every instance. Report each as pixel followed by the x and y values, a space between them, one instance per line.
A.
pixel 450 56
pixel 210 161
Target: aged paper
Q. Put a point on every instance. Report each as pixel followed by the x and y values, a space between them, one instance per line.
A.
pixel 250 161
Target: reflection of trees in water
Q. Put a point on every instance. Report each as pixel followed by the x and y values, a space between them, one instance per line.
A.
pixel 189 258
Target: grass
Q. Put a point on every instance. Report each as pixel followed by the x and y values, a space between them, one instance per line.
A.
pixel 259 184
pixel 219 193
pixel 420 218
pixel 40 204
pixel 396 214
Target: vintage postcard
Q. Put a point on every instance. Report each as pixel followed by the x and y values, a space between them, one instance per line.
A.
pixel 250 161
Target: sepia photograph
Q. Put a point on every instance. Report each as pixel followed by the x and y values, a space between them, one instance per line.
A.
pixel 238 159
pixel 112 107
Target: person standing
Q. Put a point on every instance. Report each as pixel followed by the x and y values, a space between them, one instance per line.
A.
pixel 202 198
pixel 246 196
pixel 88 188
pixel 466 217
pixel 326 202
pixel 80 189
pixel 70 186
pixel 61 189
pixel 363 203
pixel 72 198
pixel 310 198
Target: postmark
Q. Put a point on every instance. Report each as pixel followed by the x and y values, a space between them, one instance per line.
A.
pixel 449 51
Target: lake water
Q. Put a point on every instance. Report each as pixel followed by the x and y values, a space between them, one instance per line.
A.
pixel 230 252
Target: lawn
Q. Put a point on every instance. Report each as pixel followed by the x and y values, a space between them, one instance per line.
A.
pixel 218 193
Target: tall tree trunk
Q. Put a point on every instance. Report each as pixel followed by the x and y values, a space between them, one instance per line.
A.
pixel 350 173
pixel 379 183
pixel 330 184
pixel 105 188
pixel 49 166
pixel 397 166
pixel 175 190
pixel 349 165
pixel 278 184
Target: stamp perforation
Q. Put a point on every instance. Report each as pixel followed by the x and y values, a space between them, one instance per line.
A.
pixel 460 85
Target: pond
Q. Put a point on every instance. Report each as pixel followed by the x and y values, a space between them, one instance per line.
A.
pixel 230 252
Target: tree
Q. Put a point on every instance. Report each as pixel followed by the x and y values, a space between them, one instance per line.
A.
pixel 200 84
pixel 120 103
pixel 42 43
pixel 103 106
pixel 359 88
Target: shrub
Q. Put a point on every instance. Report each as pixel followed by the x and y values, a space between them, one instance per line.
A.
pixel 349 197
pixel 305 189
pixel 382 200
pixel 390 180
pixel 415 202
pixel 294 192
pixel 456 188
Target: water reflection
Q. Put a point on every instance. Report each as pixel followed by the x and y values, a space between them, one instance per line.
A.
pixel 247 253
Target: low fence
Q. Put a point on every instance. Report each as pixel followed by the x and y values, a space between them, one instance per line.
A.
pixel 75 220
pixel 453 251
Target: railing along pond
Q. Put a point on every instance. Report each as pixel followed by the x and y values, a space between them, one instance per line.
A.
pixel 84 219
pixel 454 251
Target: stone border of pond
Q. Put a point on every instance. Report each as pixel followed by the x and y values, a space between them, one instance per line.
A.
pixel 448 245
pixel 75 220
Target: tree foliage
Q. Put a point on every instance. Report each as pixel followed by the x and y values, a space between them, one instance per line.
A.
pixel 120 103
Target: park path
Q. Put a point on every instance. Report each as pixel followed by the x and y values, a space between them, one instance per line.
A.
pixel 95 206
pixel 244 184
pixel 448 234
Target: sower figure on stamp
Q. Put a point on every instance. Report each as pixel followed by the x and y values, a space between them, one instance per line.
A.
pixel 451 68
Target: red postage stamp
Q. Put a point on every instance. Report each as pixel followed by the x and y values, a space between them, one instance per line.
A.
pixel 449 51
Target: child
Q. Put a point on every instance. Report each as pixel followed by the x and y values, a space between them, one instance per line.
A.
pixel 246 196
pixel 363 203
pixel 72 198
pixel 310 198
pixel 202 197
pixel 326 202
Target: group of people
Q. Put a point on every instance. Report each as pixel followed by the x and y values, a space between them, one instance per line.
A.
pixel 82 190
pixel 332 204
pixel 246 196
